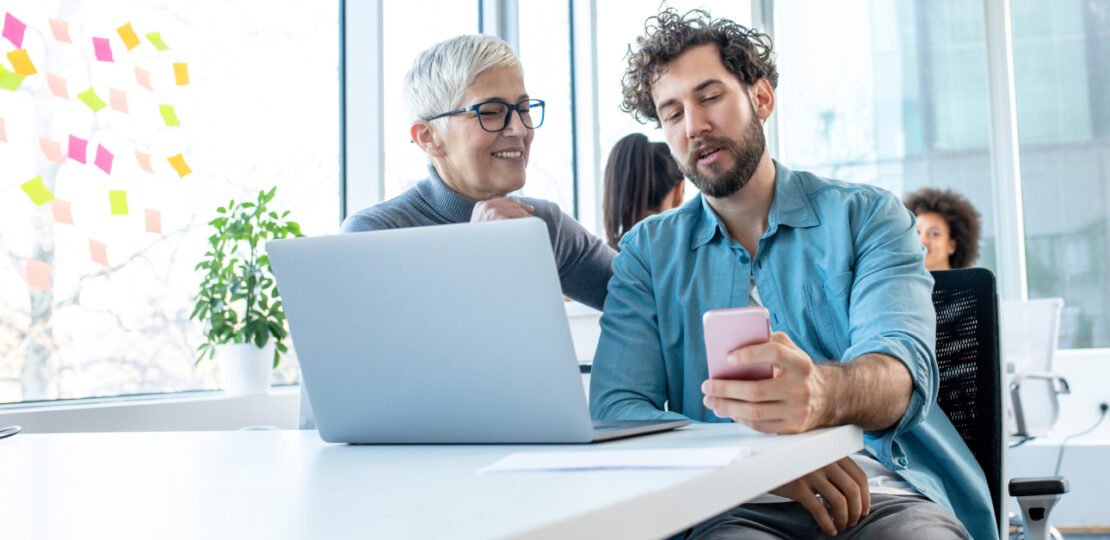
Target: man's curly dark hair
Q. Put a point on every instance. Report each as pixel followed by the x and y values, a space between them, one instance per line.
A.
pixel 962 218
pixel 745 52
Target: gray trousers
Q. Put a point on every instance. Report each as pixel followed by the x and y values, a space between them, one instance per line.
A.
pixel 892 516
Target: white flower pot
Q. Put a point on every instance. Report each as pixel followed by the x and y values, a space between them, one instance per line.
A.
pixel 246 368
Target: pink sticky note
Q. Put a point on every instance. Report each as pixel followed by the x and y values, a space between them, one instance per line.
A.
pixel 13 30
pixel 144 161
pixel 60 29
pixel 57 86
pixel 153 221
pixel 103 159
pixel 103 49
pixel 62 210
pixel 78 149
pixel 38 275
pixel 118 99
pixel 143 76
pixel 99 252
pixel 3 134
pixel 52 150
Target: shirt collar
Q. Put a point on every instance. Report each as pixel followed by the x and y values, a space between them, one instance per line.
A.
pixel 790 206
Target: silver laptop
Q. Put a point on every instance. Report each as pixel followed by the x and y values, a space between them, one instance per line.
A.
pixel 445 334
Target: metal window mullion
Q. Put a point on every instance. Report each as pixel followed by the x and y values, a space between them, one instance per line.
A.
pixel 587 139
pixel 1009 223
pixel 763 19
pixel 363 153
pixel 501 18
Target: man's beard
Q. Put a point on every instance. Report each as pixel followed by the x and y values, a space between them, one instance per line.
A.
pixel 746 154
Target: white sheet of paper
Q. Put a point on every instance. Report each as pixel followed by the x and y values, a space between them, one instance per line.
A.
pixel 664 458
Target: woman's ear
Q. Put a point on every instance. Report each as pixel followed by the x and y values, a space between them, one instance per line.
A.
pixel 426 138
pixel 677 193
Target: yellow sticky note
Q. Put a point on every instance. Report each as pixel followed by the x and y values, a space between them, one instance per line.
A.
pixel 91 100
pixel 181 73
pixel 156 40
pixel 9 80
pixel 127 34
pixel 119 202
pixel 21 61
pixel 179 165
pixel 37 191
pixel 169 116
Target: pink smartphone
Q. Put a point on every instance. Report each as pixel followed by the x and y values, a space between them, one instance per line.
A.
pixel 729 329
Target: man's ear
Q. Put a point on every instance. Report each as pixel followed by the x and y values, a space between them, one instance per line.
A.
pixel 426 138
pixel 763 98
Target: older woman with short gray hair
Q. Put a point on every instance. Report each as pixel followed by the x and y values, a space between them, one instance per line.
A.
pixel 473 118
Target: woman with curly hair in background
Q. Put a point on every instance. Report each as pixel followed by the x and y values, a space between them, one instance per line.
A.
pixel 948 226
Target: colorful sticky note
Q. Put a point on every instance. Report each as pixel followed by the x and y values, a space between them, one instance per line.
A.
pixel 38 275
pixel 103 159
pixel 143 76
pixel 3 133
pixel 127 34
pixel 103 49
pixel 62 211
pixel 60 29
pixel 21 62
pixel 153 221
pixel 179 165
pixel 52 150
pixel 118 200
pixel 99 252
pixel 37 191
pixel 169 116
pixel 13 30
pixel 156 40
pixel 78 149
pixel 181 73
pixel 57 86
pixel 144 161
pixel 9 80
pixel 118 98
pixel 91 100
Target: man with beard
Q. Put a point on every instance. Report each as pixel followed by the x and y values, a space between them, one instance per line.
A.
pixel 838 266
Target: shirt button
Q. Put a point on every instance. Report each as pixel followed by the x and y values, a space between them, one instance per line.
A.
pixel 903 462
pixel 743 259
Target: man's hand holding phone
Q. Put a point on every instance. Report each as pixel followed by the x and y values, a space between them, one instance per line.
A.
pixel 789 394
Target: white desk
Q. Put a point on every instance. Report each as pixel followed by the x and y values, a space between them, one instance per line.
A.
pixel 289 484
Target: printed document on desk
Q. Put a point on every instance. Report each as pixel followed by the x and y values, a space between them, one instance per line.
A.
pixel 663 458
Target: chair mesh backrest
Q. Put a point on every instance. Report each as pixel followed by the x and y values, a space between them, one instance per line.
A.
pixel 970 393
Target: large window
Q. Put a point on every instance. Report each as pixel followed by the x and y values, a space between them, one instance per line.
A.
pixel 96 284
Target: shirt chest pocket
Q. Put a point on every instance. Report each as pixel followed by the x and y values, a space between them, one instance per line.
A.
pixel 827 306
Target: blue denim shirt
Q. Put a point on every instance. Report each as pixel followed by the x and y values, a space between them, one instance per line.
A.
pixel 841 271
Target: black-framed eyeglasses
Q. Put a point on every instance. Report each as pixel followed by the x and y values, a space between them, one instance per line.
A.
pixel 494 115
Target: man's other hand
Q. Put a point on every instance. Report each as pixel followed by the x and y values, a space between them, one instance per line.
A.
pixel 842 485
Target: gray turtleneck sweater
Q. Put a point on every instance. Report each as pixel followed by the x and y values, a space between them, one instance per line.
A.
pixel 583 259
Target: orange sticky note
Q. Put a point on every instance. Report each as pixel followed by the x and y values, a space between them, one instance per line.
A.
pixel 153 221
pixel 99 252
pixel 179 165
pixel 62 211
pixel 127 34
pixel 60 29
pixel 3 133
pixel 21 62
pixel 57 86
pixel 181 73
pixel 144 161
pixel 52 150
pixel 118 99
pixel 38 275
pixel 143 77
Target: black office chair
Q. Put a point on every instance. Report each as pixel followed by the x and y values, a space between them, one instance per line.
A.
pixel 966 303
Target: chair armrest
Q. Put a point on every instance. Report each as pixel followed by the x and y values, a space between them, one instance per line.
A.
pixel 1041 485
pixel 1020 378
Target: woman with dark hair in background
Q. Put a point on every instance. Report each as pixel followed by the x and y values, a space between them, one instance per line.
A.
pixel 948 225
pixel 641 179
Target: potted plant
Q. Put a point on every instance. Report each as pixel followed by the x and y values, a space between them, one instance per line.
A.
pixel 244 323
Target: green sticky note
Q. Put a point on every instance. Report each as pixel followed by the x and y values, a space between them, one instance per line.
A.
pixel 156 40
pixel 169 115
pixel 119 202
pixel 90 99
pixel 37 191
pixel 9 80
